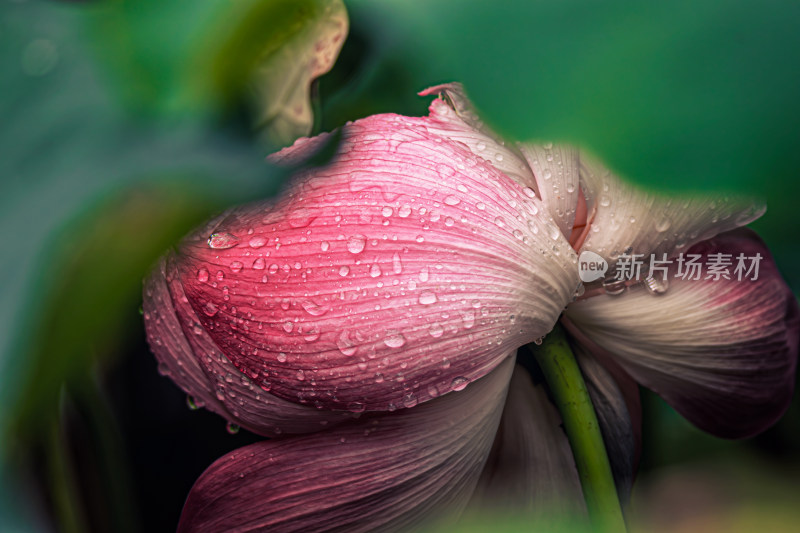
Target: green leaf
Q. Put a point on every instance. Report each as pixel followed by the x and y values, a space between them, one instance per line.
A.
pixel 680 95
pixel 91 195
pixel 187 57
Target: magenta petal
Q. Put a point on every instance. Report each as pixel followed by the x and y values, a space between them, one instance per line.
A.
pixel 188 355
pixel 723 352
pixel 399 271
pixel 383 473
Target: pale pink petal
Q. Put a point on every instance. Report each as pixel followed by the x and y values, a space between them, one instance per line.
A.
pixel 453 117
pixel 628 218
pixel 383 473
pixel 188 355
pixel 531 468
pixel 556 169
pixel 387 277
pixel 723 352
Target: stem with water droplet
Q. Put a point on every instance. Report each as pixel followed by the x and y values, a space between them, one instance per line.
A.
pixel 564 378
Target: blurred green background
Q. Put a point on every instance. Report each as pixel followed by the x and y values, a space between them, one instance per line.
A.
pixel 124 123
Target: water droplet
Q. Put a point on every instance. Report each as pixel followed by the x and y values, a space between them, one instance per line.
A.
pixel 481 146
pixel 469 318
pixel 259 264
pixel 459 383
pixel 202 275
pixel 236 267
pixel 288 327
pixel 394 339
pixel 281 357
pixel 197 329
pixel 210 309
pixel 310 307
pixel 300 218
pixel 614 286
pixel 427 298
pixel 404 211
pixel 436 330
pixel 324 246
pixel 433 390
pixel 300 375
pixel 663 225
pixel 423 274
pixel 530 193
pixel 410 399
pixel 656 285
pixel 420 239
pixel 273 268
pixel 345 345
pixel 605 200
pixel 452 200
pixel 445 363
pixel 518 234
pixel 222 241
pixel 633 220
pixel 375 270
pixel 554 232
pixel 356 407
pixel 344 270
pixel 387 211
pixel 312 335
pixel 257 242
pixel 356 244
pixel 232 428
pixel 397 265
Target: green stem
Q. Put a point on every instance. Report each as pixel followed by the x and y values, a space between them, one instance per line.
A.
pixel 564 378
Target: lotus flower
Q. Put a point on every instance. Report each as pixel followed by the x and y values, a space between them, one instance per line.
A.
pixel 368 320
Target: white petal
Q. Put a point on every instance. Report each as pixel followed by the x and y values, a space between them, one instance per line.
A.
pixel 556 169
pixel 531 468
pixel 629 218
pixel 457 120
pixel 722 352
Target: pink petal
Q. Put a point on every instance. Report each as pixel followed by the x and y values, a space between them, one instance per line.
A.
pixel 627 217
pixel 383 473
pixel 403 269
pixel 187 354
pixel 723 353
